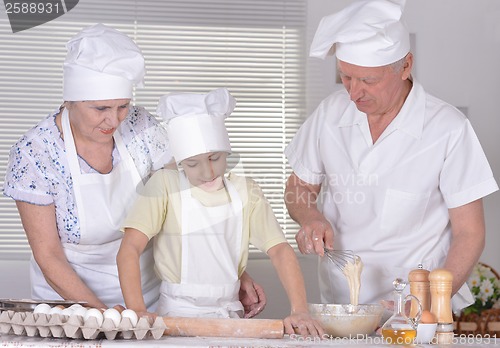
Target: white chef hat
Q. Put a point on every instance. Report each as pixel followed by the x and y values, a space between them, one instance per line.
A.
pixel 367 33
pixel 102 63
pixel 195 122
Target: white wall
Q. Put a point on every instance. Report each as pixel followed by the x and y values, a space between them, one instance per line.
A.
pixel 457 58
pixel 277 302
pixel 14 280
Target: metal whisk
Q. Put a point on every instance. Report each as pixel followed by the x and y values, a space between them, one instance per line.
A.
pixel 340 258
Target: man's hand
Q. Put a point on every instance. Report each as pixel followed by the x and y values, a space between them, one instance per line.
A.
pixel 314 236
pixel 315 233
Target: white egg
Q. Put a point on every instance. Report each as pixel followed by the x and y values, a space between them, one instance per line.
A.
pixel 55 310
pixel 80 311
pixel 67 311
pixel 75 306
pixel 113 314
pixel 42 308
pixel 94 313
pixel 132 315
pixel 119 308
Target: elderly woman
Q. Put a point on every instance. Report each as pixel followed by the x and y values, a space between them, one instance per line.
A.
pixel 75 174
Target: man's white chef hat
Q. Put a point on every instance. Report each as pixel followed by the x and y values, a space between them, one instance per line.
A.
pixel 195 122
pixel 366 33
pixel 102 63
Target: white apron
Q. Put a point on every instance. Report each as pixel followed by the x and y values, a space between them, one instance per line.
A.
pixel 102 201
pixel 211 246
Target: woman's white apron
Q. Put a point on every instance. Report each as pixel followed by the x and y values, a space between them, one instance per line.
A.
pixel 102 202
pixel 211 246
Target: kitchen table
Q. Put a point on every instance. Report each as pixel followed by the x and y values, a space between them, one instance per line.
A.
pixel 287 341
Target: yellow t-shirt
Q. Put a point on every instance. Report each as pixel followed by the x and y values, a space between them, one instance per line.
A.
pixel 157 213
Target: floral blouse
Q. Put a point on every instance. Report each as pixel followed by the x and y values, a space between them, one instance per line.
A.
pixel 38 170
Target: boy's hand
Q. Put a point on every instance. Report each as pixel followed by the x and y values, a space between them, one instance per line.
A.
pixel 252 296
pixel 303 323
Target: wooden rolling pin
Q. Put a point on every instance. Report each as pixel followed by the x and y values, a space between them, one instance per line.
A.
pixel 215 327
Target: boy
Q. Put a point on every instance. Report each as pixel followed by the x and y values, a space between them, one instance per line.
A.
pixel 203 222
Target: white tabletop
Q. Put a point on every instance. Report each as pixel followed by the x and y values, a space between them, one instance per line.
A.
pixel 375 341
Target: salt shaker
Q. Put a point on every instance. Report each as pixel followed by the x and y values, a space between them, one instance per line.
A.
pixel 440 286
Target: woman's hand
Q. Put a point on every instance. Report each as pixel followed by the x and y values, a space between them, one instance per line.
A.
pixel 252 296
pixel 150 316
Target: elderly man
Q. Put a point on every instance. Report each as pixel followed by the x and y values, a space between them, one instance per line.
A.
pixel 384 168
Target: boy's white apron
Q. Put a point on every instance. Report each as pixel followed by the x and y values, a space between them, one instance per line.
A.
pixel 211 245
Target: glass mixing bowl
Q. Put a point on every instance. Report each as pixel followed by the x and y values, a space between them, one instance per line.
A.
pixel 345 320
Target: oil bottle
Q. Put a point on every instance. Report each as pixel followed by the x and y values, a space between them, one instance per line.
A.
pixel 399 329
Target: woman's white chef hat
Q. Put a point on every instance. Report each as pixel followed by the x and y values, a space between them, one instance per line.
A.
pixel 102 63
pixel 195 122
pixel 366 33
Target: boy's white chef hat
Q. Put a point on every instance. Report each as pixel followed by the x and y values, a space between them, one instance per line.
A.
pixel 366 33
pixel 195 122
pixel 102 63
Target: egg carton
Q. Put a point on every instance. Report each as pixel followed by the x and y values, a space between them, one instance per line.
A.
pixel 74 326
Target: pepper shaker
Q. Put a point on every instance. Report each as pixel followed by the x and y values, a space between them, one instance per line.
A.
pixel 440 286
pixel 420 288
